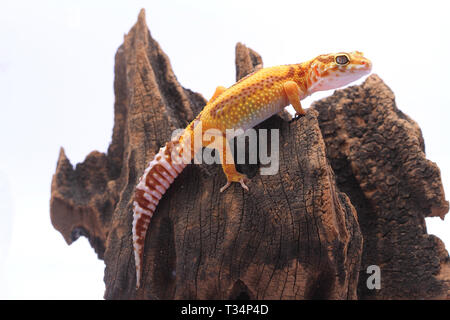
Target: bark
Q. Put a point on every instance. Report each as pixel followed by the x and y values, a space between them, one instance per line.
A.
pixel 295 234
pixel 378 155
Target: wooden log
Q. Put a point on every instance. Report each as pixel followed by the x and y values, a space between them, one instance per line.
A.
pixel 294 235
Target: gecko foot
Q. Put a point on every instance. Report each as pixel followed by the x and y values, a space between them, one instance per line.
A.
pixel 297 116
pixel 241 181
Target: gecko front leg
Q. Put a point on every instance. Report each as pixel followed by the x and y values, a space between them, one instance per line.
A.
pixel 293 92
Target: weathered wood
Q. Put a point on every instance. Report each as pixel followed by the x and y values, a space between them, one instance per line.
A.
pixel 378 155
pixel 294 235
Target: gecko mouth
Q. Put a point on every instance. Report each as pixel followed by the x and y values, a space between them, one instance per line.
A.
pixel 367 65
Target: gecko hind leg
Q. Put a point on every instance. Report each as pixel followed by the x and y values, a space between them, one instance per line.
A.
pixel 222 146
pixel 230 171
pixel 232 174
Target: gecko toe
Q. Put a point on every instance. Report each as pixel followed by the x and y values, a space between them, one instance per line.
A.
pixel 225 186
pixel 297 116
pixel 242 182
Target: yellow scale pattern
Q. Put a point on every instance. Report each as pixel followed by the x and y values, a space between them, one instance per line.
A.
pixel 250 100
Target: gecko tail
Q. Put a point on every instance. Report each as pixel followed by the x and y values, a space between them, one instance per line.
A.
pixel 157 178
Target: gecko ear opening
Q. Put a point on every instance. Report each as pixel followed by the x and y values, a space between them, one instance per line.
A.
pixel 342 59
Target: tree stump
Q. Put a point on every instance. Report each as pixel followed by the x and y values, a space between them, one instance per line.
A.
pixel 295 234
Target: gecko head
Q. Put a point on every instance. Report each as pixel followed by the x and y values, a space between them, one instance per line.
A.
pixel 331 71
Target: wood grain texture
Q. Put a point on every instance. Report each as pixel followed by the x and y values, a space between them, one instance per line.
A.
pixel 378 155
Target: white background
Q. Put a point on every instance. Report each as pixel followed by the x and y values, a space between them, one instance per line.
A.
pixel 56 89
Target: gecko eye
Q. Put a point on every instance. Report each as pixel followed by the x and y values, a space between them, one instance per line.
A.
pixel 342 59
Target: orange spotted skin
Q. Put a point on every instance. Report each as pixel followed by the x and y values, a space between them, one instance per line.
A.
pixel 245 102
pixel 242 106
pixel 261 94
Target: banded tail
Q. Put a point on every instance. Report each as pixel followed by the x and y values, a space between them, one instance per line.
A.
pixel 157 178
